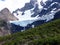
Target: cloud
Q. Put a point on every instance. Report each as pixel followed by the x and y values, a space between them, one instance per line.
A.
pixel 2 0
pixel 12 4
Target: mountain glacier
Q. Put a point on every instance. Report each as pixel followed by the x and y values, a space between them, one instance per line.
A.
pixel 36 10
pixel 31 13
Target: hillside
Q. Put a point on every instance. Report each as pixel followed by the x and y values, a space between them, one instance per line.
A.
pixel 45 34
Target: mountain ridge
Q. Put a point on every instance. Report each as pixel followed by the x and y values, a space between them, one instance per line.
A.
pixel 7 15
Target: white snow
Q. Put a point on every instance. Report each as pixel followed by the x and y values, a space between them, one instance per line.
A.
pixel 25 19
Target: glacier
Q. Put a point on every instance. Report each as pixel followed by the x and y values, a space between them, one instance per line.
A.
pixel 29 11
pixel 24 20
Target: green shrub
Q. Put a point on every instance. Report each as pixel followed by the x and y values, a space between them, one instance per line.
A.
pixel 45 34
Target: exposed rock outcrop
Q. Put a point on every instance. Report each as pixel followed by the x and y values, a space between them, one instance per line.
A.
pixel 5 17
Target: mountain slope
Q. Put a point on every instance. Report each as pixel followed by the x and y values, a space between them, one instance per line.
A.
pixel 36 12
pixel 46 34
pixel 4 29
pixel 5 17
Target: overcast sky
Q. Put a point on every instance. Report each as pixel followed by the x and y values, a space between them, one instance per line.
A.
pixel 12 4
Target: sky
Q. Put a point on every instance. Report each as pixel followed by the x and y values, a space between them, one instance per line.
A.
pixel 12 4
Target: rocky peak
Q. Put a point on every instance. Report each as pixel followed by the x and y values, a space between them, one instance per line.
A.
pixel 7 15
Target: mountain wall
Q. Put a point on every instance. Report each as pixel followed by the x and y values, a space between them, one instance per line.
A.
pixel 5 14
pixel 5 26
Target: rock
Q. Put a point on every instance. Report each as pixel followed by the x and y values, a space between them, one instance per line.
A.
pixel 7 15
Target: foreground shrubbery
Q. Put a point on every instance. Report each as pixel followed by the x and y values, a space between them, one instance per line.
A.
pixel 46 34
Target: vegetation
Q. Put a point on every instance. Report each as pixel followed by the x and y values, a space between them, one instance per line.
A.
pixel 46 34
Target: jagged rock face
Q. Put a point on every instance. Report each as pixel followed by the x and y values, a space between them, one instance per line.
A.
pixel 4 28
pixel 57 15
pixel 4 31
pixel 6 15
pixel 34 15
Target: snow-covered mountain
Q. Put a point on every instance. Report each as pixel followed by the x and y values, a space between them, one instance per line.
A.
pixel 32 10
pixel 31 13
pixel 36 12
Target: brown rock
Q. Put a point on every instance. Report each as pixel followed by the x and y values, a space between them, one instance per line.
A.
pixel 7 15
